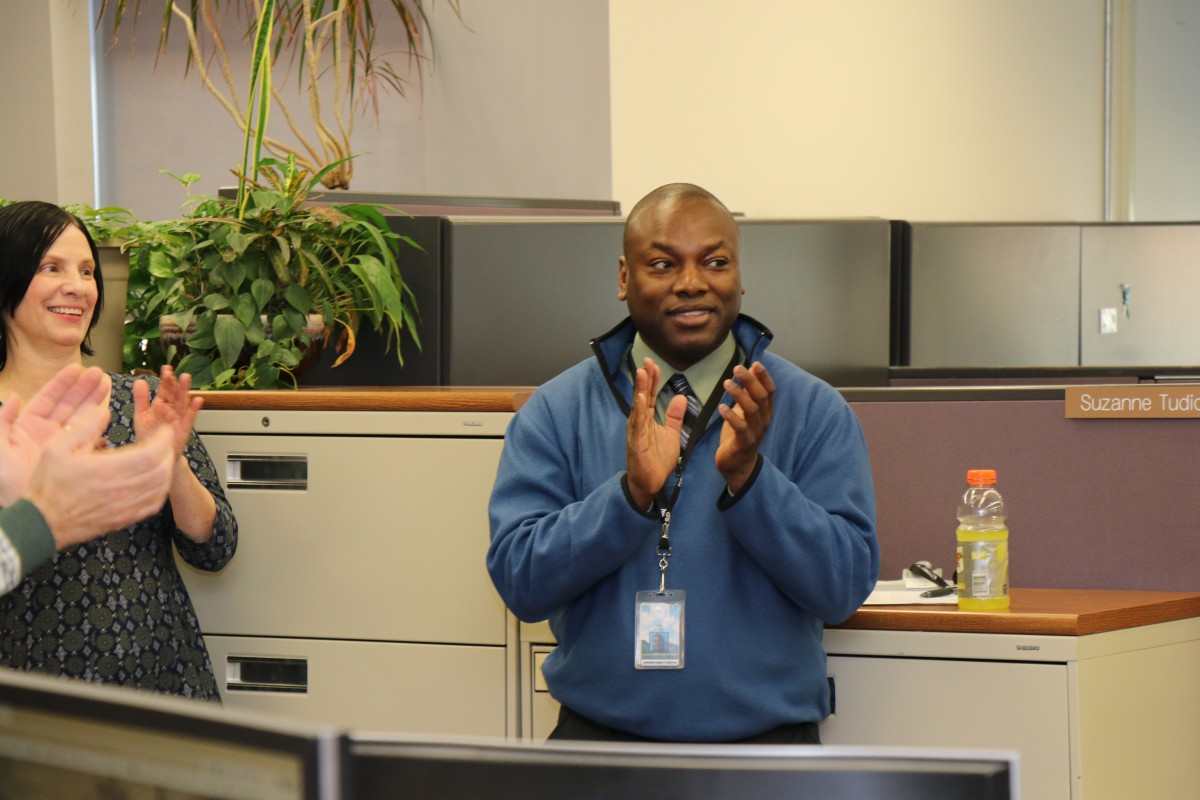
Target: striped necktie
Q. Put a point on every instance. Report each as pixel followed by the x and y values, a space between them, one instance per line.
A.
pixel 679 385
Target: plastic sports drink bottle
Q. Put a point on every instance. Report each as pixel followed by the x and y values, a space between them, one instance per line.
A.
pixel 982 545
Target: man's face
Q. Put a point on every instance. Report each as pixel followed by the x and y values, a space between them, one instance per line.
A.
pixel 680 277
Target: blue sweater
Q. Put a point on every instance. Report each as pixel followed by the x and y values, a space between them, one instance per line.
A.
pixel 763 571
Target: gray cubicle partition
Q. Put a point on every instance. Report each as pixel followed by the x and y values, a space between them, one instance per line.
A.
pixel 824 288
pixel 419 217
pixel 993 295
pixel 1138 290
pixel 510 301
pixel 373 363
pixel 524 297
pixel 1050 295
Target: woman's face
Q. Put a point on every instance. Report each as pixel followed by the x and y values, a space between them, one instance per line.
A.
pixel 61 298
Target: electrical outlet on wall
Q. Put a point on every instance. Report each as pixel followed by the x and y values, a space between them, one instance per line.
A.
pixel 1108 320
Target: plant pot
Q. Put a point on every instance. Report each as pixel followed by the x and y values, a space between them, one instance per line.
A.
pixel 108 337
pixel 171 334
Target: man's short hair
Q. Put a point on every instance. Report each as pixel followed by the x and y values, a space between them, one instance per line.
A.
pixel 665 193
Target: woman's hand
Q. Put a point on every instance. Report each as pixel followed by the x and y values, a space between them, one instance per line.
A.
pixel 171 407
pixel 192 505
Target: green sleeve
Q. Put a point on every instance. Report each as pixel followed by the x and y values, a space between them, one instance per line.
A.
pixel 26 528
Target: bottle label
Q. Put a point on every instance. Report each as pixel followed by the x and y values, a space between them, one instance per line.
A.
pixel 983 568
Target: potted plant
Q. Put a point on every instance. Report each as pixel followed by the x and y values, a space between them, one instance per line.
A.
pixel 251 285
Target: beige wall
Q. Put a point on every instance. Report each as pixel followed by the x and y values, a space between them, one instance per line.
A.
pixel 27 161
pixel 1164 110
pixel 515 103
pixel 71 60
pixel 45 139
pixel 921 110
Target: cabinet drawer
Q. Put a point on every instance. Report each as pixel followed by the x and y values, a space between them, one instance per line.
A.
pixel 375 686
pixel 343 537
pixel 926 702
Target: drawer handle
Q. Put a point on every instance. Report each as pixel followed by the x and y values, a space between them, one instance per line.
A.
pixel 280 472
pixel 260 674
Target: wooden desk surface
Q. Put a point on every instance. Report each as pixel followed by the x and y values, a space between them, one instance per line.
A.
pixel 372 398
pixel 1054 612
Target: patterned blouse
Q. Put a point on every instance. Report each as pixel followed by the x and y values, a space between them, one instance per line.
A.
pixel 115 610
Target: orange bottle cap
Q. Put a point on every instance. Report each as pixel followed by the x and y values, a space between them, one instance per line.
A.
pixel 981 477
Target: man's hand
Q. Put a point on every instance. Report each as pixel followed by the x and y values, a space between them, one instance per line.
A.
pixel 25 431
pixel 651 449
pixel 83 492
pixel 746 423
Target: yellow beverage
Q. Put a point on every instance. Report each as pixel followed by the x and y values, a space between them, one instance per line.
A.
pixel 976 604
pixel 982 569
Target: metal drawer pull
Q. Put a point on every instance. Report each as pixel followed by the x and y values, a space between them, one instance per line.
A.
pixel 246 471
pixel 258 674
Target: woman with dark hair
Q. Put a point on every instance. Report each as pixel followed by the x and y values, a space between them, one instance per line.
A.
pixel 112 610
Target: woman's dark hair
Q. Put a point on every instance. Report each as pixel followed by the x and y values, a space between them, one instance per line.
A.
pixel 27 230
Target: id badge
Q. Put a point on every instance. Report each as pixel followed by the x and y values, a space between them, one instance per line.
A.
pixel 658 629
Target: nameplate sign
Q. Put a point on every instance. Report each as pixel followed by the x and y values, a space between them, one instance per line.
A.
pixel 1144 401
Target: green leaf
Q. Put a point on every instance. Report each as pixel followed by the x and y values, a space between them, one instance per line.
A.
pixel 262 290
pixel 376 277
pixel 187 178
pixel 299 299
pixel 295 320
pixel 216 302
pixel 267 376
pixel 255 335
pixel 183 319
pixel 266 200
pixel 311 264
pixel 235 275
pixel 285 250
pixel 245 310
pixel 280 328
pixel 287 358
pixel 202 339
pixel 215 272
pixel 260 85
pixel 279 264
pixel 408 240
pixel 237 241
pixel 199 368
pixel 325 171
pixel 231 337
pixel 411 325
pixel 149 310
pixel 223 378
pixel 161 265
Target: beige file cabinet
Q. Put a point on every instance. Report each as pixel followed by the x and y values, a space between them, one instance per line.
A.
pixel 1097 691
pixel 539 711
pixel 359 595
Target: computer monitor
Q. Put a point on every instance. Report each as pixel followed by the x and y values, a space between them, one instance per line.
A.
pixel 382 766
pixel 68 738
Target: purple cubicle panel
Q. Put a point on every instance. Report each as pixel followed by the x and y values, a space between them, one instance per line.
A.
pixel 1093 504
